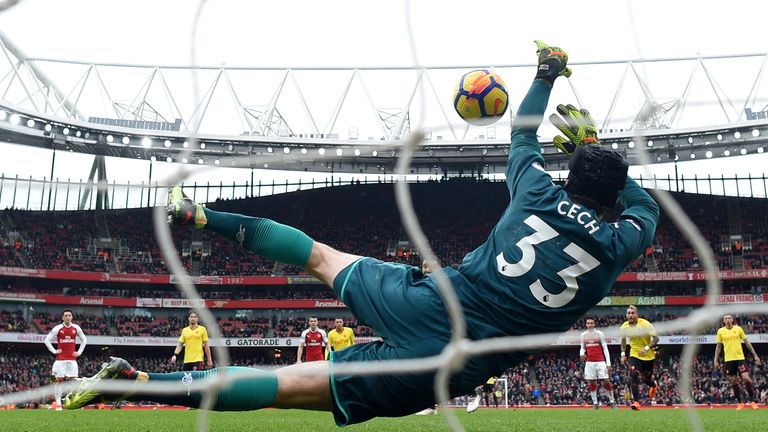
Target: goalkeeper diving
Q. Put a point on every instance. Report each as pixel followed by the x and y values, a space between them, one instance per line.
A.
pixel 549 259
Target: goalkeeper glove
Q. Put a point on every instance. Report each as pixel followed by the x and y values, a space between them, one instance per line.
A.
pixel 578 127
pixel 552 62
pixel 183 211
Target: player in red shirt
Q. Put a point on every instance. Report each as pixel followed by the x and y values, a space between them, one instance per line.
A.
pixel 315 340
pixel 65 366
pixel 594 351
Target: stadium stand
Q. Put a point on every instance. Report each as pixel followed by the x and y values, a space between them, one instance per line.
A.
pixel 290 324
pixel 551 378
pixel 102 323
pixel 90 323
pixel 13 322
pixel 359 219
pixel 316 291
pixel 362 220
pixel 561 380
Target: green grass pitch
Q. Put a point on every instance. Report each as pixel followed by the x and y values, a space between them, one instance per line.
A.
pixel 570 420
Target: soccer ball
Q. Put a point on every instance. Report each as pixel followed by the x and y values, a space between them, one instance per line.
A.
pixel 480 97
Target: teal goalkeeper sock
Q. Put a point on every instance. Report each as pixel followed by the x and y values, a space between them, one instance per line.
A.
pixel 251 390
pixel 264 237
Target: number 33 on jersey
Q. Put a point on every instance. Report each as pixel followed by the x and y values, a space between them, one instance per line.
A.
pixel 543 232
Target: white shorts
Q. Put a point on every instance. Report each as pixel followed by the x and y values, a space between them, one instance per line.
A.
pixel 595 370
pixel 64 369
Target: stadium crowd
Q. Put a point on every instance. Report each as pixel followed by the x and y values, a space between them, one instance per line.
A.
pixel 90 323
pixel 14 322
pixel 316 291
pixel 144 324
pixel 9 256
pixel 288 324
pixel 561 380
pixel 752 323
pixel 170 326
pixel 214 292
pixel 549 378
pixel 362 220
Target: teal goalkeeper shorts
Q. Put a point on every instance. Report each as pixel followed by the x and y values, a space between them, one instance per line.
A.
pixel 402 306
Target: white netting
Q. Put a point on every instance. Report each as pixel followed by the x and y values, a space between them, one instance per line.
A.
pixel 459 349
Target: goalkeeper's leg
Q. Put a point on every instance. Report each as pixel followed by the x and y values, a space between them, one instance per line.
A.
pixel 262 236
pixel 304 386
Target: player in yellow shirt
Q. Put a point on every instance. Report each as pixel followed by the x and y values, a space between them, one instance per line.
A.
pixel 729 338
pixel 489 389
pixel 642 339
pixel 194 339
pixel 340 337
pixel 486 390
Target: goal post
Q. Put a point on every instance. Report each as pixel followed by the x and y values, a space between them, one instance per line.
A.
pixel 506 390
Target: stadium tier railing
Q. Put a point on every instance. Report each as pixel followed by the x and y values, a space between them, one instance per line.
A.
pixel 44 194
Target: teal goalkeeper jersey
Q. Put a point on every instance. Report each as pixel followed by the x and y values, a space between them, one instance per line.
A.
pixel 548 260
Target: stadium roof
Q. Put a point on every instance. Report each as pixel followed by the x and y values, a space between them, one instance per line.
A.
pixel 350 118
